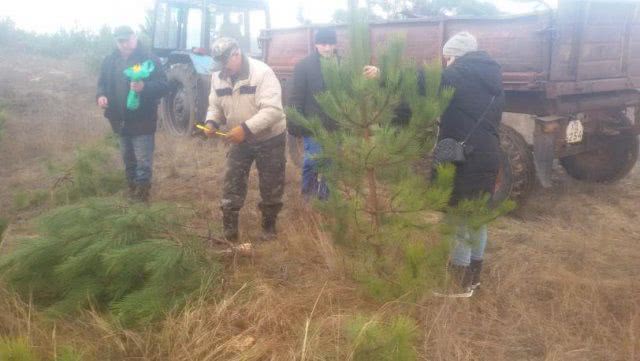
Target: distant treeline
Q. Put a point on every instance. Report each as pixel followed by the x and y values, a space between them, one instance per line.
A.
pixel 92 46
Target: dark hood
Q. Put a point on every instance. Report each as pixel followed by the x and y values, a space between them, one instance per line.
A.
pixel 479 65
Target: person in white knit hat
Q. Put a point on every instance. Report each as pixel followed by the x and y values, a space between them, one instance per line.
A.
pixel 459 45
pixel 474 115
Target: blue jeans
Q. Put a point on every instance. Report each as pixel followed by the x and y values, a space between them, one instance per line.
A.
pixel 469 245
pixel 313 185
pixel 137 155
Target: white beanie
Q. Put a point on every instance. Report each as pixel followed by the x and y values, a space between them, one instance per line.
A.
pixel 460 44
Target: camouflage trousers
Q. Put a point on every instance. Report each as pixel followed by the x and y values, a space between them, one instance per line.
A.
pixel 270 159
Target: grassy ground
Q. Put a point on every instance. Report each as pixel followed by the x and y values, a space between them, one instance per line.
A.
pixel 561 281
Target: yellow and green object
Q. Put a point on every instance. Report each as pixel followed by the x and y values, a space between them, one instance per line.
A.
pixel 137 73
pixel 203 128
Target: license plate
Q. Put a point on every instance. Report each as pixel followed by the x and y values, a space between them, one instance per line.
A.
pixel 575 132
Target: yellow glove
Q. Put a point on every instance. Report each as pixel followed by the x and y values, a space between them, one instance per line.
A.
pixel 236 135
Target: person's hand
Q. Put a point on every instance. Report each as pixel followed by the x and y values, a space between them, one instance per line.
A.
pixel 236 135
pixel 103 102
pixel 210 128
pixel 137 86
pixel 450 60
pixel 370 72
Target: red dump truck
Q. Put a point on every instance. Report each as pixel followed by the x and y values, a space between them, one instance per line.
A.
pixel 576 69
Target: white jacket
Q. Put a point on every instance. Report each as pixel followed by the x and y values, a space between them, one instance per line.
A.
pixel 254 101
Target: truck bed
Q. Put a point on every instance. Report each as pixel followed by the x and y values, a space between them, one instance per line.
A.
pixel 581 48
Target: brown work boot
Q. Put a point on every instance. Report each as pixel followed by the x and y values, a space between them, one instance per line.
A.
pixel 230 225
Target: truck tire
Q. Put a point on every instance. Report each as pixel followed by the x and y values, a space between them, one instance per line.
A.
pixel 178 108
pixel 609 163
pixel 516 177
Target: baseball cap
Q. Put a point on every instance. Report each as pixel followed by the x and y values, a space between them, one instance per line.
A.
pixel 223 48
pixel 123 32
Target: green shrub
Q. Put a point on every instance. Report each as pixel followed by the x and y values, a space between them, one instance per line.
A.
pixel 69 354
pixel 134 261
pixel 16 350
pixel 28 199
pixel 94 173
pixel 374 340
pixel 20 350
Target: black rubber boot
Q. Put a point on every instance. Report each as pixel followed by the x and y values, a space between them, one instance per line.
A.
pixel 143 193
pixel 269 232
pixel 474 269
pixel 461 285
pixel 230 225
pixel 461 275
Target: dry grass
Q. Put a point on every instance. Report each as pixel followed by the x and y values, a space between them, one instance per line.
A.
pixel 561 281
pixel 50 112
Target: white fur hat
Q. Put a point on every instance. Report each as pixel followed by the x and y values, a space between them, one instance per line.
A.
pixel 460 44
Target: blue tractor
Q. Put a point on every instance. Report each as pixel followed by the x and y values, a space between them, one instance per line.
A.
pixel 183 31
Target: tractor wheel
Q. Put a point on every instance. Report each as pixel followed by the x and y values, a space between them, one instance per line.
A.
pixel 516 177
pixel 610 162
pixel 178 107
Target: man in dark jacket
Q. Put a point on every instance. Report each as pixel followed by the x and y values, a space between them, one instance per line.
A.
pixel 136 128
pixel 477 80
pixel 307 82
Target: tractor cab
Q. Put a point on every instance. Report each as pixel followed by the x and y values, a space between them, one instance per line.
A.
pixel 183 31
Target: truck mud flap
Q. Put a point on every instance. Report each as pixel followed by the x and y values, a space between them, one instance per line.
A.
pixel 543 156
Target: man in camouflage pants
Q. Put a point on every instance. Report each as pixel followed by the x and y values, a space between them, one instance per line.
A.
pixel 246 98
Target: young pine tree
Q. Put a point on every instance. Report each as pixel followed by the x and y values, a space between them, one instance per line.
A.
pixel 16 350
pixel 379 205
pixel 381 340
pixel 136 262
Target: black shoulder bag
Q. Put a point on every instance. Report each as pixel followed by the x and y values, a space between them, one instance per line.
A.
pixel 449 150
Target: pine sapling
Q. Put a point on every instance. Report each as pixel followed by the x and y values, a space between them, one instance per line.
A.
pixel 136 262
pixel 379 204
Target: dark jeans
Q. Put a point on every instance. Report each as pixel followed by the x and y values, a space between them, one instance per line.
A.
pixel 137 154
pixel 313 184
pixel 269 156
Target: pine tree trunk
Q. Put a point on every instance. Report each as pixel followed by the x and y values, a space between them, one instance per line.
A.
pixel 372 198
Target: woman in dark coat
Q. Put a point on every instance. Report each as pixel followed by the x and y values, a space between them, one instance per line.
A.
pixel 477 80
